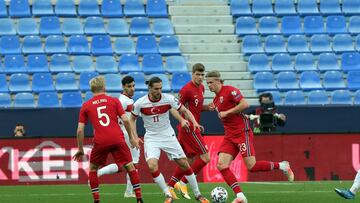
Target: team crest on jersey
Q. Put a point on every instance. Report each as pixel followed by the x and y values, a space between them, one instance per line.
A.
pixel 221 99
pixel 234 93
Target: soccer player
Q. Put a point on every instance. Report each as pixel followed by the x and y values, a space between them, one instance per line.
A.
pixel 128 84
pixel 350 193
pixel 229 103
pixel 192 142
pixel 103 112
pixel 160 136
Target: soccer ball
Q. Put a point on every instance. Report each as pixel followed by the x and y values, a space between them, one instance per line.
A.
pixel 219 195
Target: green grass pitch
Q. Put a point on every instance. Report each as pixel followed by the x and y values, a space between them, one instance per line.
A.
pixel 263 192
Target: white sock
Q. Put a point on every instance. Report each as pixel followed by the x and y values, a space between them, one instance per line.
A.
pixel 129 187
pixel 240 195
pixel 109 169
pixel 356 185
pixel 193 184
pixel 282 166
pixel 161 182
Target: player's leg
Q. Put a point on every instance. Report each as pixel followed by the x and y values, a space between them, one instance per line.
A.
pixel 134 180
pixel 97 158
pixel 108 169
pixel 135 154
pixel 350 193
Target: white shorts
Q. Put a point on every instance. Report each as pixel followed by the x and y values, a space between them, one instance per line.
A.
pixel 169 145
pixel 135 153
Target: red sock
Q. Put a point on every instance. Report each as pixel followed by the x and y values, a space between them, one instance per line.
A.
pixel 196 167
pixel 155 174
pixel 94 185
pixel 230 179
pixel 264 166
pixel 135 181
pixel 176 176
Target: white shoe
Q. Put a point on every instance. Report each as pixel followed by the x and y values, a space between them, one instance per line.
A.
pixel 288 172
pixel 129 195
pixel 239 200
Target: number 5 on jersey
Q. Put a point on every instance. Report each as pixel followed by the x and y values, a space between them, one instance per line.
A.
pixel 100 115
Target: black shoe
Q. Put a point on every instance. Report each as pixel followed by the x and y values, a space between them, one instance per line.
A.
pixel 139 201
pixel 96 201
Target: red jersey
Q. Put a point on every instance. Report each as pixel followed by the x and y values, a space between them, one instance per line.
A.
pixel 103 112
pixel 192 97
pixel 227 98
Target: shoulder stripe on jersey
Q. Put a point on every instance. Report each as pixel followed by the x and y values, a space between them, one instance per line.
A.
pixel 129 108
pixel 132 113
pixel 155 109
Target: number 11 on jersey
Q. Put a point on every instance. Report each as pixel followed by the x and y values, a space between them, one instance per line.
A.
pixel 156 118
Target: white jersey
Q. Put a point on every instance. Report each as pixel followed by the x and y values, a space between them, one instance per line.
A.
pixel 127 104
pixel 155 115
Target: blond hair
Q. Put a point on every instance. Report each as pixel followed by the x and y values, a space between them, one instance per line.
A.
pixel 97 84
pixel 214 75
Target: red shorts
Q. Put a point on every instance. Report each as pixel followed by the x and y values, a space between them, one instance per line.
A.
pixel 119 151
pixel 192 143
pixel 243 143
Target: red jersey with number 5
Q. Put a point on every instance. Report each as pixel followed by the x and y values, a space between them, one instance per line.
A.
pixel 103 112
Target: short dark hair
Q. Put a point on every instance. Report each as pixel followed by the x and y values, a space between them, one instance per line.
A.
pixel 127 79
pixel 153 80
pixel 267 95
pixel 198 67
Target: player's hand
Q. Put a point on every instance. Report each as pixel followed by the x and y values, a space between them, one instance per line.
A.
pixel 212 107
pixel 78 156
pixel 223 114
pixel 135 143
pixel 185 124
pixel 198 126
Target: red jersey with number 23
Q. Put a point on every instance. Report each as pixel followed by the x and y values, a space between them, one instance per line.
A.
pixel 103 112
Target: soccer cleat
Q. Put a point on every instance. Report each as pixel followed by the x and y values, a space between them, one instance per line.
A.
pixel 288 172
pixel 173 193
pixel 96 201
pixel 345 193
pixel 129 195
pixel 168 199
pixel 239 200
pixel 183 190
pixel 202 199
pixel 139 200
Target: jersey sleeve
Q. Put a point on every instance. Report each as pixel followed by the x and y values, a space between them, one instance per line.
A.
pixel 136 109
pixel 83 118
pixel 174 102
pixel 183 95
pixel 235 95
pixel 119 109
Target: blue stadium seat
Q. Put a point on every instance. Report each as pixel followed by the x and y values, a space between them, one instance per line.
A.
pixel 7 27
pixel 139 94
pixel 251 44
pixel 3 83
pixel 246 25
pixel 262 7
pixel 66 82
pixel 139 78
pixel 94 26
pixel 78 44
pixel 179 79
pixel 19 9
pixel 85 78
pixel 240 8
pixel 24 100
pixel 258 62
pixel 83 64
pixel 42 82
pixel 343 43
pixel 291 25
pixel 60 63
pixel 140 26
pixel 146 45
pixel 88 8
pixel 297 44
pixel 282 62
pixel 276 97
pixel 19 82
pixel 156 9
pixel 285 7
pixel 354 25
pixel 55 44
pixel 114 94
pixel 111 9
pixel 165 81
pixel 305 62
pixel 32 45
pixel 175 64
pixel 330 7
pixel 42 8
pixel 269 25
pixel 357 43
pixel 310 80
pixel 5 100
pixel 72 26
pixel 106 64
pixel 10 44
pixel 3 9
pixel 275 44
pixel 333 80
pixel 313 25
pixel 328 61
pixel 37 63
pixel 341 97
pixel 14 64
pixel 124 45
pixel 27 26
pixel 318 97
pixel 65 8
pixel 48 100
pixel 112 82
pixel 307 7
pixel 117 27
pixel 101 45
pixel 50 25
pixel 169 45
pixel 71 99
pixel 162 26
pixel 294 97
pixel 356 98
pixel 264 81
pixel 152 63
pixel 134 8
pixel 129 63
pixel 287 81
pixel 336 25
pixel 350 61
pixel 88 95
pixel 351 7
pixel 320 43
pixel 353 80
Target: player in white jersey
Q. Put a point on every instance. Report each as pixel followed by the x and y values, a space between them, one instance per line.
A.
pixel 128 84
pixel 160 136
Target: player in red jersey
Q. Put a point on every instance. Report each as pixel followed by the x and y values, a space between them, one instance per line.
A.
pixel 103 112
pixel 239 138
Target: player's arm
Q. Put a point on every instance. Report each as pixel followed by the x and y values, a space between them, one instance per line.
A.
pixel 184 123
pixel 191 117
pixel 80 141
pixel 240 107
pixel 134 139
